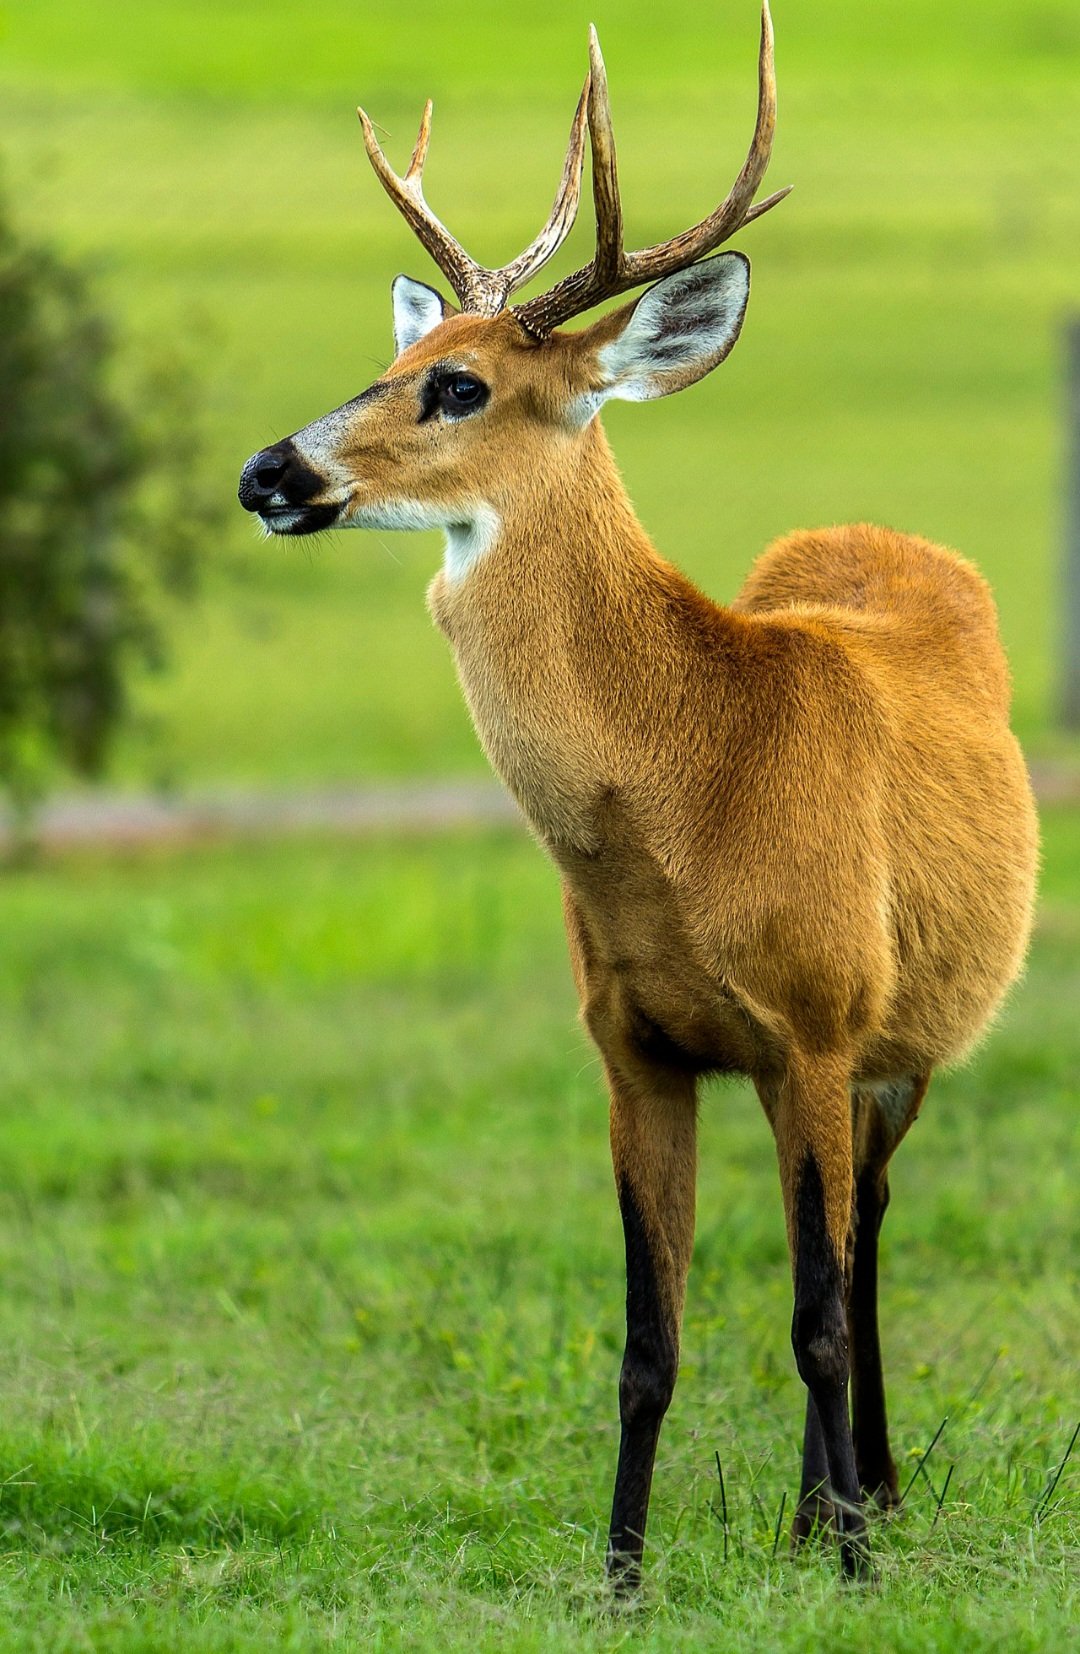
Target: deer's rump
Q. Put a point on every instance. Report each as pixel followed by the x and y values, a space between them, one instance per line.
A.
pixel 925 595
pixel 920 771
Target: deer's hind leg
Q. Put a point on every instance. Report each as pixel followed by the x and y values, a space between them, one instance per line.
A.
pixel 809 1108
pixel 880 1118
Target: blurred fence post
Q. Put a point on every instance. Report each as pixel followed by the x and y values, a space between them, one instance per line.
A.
pixel 1070 704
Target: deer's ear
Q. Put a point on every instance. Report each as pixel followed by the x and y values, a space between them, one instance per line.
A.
pixel 417 309
pixel 674 334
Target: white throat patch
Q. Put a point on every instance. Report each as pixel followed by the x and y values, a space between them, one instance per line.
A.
pixel 467 537
pixel 467 542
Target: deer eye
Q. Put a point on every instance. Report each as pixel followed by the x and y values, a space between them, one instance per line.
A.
pixel 460 394
pixel 451 392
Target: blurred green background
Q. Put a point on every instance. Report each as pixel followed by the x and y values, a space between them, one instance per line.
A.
pixel 312 1264
pixel 900 360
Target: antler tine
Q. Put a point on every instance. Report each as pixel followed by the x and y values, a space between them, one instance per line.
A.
pixel 760 208
pixel 472 284
pixel 605 171
pixel 420 148
pixel 477 288
pixel 613 271
pixel 730 215
pixel 590 284
pixel 564 210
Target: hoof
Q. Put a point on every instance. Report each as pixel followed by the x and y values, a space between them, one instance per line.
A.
pixel 819 1519
pixel 857 1565
pixel 815 1519
pixel 883 1493
pixel 624 1577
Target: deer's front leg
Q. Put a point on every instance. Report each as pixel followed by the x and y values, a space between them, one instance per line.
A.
pixel 653 1150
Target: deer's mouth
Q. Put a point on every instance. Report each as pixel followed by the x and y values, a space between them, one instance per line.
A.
pixel 298 519
pixel 281 488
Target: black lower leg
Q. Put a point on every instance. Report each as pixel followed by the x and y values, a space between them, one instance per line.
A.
pixel 877 1472
pixel 815 1511
pixel 820 1339
pixel 645 1389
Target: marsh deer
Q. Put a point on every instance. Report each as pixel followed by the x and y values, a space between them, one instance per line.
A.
pixel 795 834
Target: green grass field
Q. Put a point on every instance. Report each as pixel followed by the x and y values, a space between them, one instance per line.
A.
pixel 312 1265
pixel 312 1285
pixel 899 363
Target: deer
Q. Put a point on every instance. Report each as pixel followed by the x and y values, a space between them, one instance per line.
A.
pixel 795 834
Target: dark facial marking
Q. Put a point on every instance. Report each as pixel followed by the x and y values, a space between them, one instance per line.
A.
pixel 300 482
pixel 379 388
pixel 453 391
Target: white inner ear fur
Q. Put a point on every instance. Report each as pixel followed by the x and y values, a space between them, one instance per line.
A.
pixel 678 331
pixel 417 309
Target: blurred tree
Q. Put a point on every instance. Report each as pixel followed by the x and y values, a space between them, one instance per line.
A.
pixel 101 520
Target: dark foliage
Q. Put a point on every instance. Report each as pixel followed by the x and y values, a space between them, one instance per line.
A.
pixel 100 520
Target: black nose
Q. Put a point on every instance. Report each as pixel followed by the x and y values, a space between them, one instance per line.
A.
pixel 277 470
pixel 268 473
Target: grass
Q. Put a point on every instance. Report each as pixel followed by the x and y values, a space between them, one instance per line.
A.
pixel 900 360
pixel 312 1285
pixel 312 1266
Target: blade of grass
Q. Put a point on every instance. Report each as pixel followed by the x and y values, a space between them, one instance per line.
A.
pixel 941 1497
pixel 723 1503
pixel 779 1521
pixel 1049 1494
pixel 926 1455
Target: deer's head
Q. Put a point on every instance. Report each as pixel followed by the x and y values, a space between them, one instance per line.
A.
pixel 485 397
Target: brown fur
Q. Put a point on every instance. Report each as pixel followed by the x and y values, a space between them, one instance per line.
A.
pixel 796 834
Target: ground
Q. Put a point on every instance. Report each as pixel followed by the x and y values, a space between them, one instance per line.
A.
pixel 312 1302
pixel 312 1265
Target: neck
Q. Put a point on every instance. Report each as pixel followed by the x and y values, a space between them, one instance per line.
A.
pixel 576 643
pixel 467 542
pixel 577 498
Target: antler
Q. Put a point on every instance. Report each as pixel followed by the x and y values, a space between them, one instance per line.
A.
pixel 614 270
pixel 482 291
